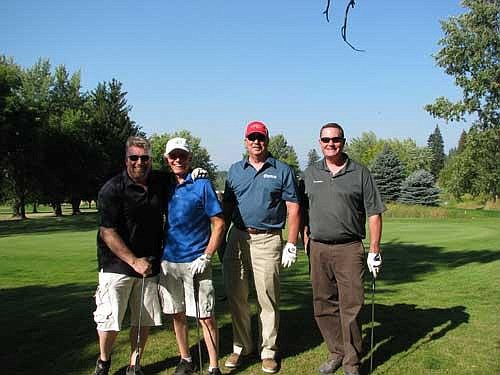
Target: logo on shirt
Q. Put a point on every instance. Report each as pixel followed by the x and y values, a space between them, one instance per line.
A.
pixel 317 181
pixel 265 175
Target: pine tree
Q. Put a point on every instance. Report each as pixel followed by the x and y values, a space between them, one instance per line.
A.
pixel 435 144
pixel 419 188
pixel 388 172
pixel 312 157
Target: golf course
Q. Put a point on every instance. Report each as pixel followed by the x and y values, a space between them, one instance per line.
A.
pixel 436 308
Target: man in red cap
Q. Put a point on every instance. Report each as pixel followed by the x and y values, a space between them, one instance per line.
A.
pixel 260 191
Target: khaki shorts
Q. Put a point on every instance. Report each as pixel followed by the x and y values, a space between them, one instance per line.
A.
pixel 177 290
pixel 115 292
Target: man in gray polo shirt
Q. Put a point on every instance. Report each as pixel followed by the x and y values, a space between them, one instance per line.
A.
pixel 259 193
pixel 340 194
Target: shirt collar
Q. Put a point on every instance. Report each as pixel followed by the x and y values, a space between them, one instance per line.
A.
pixel 269 160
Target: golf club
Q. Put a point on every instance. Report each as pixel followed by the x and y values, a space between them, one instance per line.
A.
pixel 197 311
pixel 372 323
pixel 138 346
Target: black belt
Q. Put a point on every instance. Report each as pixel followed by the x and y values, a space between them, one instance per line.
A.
pixel 261 231
pixel 337 242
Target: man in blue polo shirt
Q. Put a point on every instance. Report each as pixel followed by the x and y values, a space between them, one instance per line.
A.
pixel 259 193
pixel 186 286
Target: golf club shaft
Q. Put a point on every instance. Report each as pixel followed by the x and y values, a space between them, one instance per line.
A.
pixel 372 324
pixel 196 287
pixel 138 347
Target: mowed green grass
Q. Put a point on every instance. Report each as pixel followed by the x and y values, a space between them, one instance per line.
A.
pixel 437 307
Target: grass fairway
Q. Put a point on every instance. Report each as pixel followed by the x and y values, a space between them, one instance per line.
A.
pixel 437 308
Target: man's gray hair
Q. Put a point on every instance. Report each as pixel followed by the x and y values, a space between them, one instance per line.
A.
pixel 138 141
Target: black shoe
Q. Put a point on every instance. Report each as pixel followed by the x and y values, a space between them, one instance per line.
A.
pixel 184 368
pixel 330 366
pixel 134 370
pixel 215 371
pixel 102 367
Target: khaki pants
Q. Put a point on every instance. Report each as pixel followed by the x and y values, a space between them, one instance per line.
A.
pixel 257 257
pixel 338 296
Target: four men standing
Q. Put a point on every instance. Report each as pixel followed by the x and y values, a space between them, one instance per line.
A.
pixel 259 198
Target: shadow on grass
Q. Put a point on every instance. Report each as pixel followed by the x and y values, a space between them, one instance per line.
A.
pixel 403 326
pixel 405 262
pixel 79 223
pixel 44 329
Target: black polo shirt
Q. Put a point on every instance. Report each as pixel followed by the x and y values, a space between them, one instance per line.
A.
pixel 337 205
pixel 138 217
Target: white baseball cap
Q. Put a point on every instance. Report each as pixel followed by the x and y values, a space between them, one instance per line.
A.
pixel 177 144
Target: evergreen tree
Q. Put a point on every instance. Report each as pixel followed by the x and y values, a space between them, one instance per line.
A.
pixel 281 150
pixel 312 157
pixel 388 172
pixel 436 145
pixel 419 188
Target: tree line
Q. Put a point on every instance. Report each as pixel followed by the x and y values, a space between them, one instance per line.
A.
pixel 60 143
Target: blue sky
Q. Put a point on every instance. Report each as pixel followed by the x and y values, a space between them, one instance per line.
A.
pixel 212 66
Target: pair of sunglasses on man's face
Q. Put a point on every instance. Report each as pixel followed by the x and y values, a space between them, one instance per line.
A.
pixel 256 137
pixel 144 158
pixel 332 139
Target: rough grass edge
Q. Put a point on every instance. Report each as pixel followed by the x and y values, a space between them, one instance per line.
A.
pixel 397 210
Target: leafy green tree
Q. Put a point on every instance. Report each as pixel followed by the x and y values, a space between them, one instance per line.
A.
pixel 388 172
pixel 411 156
pixel 436 145
pixel 66 142
pixel 474 170
pixel 470 53
pixel 312 157
pixel 201 157
pixel 365 148
pixel 281 150
pixel 25 118
pixel 419 188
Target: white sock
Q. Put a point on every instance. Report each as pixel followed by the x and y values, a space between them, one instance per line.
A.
pixel 188 359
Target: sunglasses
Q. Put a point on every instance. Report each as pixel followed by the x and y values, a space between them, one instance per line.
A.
pixel 144 158
pixel 256 137
pixel 333 139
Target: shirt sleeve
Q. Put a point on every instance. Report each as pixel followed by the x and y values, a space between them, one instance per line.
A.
pixel 371 196
pixel 109 206
pixel 212 204
pixel 290 190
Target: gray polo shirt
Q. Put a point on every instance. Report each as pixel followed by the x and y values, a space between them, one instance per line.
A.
pixel 337 205
pixel 260 196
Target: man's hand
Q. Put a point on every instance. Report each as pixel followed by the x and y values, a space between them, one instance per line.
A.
pixel 199 173
pixel 200 264
pixel 289 256
pixel 374 262
pixel 142 266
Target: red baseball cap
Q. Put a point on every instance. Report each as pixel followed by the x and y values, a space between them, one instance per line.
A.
pixel 256 127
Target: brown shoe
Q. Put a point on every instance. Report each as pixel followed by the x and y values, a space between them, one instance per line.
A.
pixel 233 361
pixel 269 365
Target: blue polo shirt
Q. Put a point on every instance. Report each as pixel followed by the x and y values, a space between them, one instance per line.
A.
pixel 190 207
pixel 260 196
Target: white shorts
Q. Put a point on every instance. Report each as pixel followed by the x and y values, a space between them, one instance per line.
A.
pixel 177 290
pixel 115 292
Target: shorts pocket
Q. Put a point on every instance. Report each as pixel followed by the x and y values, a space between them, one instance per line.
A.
pixel 103 309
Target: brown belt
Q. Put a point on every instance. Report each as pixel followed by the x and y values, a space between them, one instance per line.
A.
pixel 261 231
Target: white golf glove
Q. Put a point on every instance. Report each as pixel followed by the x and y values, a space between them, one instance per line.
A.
pixel 374 262
pixel 199 173
pixel 289 256
pixel 200 264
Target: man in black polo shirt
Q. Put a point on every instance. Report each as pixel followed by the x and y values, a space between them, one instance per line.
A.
pixel 129 247
pixel 339 195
